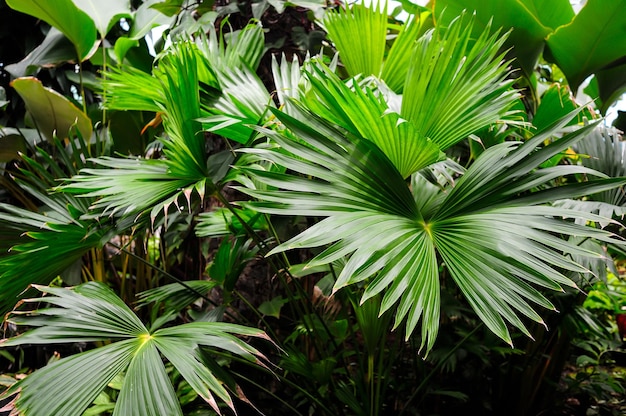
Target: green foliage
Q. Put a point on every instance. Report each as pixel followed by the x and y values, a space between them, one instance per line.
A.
pixel 53 114
pixel 75 24
pixel 326 199
pixel 97 314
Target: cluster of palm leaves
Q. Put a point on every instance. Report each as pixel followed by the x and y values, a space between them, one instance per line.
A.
pixel 357 145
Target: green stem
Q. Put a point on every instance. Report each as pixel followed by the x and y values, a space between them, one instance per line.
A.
pixel 104 92
pixel 82 86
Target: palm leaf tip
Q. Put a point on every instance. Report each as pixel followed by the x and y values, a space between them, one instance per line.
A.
pixel 359 34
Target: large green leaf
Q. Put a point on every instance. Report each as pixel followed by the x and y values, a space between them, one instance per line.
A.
pixel 594 40
pixel 611 84
pixel 52 113
pixel 532 22
pixel 92 312
pixel 496 245
pixel 65 16
pixel 103 12
pixel 146 18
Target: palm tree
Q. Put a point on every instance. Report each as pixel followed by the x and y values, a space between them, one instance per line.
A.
pixel 361 157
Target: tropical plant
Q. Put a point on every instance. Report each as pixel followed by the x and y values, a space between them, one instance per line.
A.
pixel 97 314
pixel 318 206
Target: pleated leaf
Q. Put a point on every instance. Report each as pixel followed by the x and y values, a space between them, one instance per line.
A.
pixel 38 246
pixel 365 113
pixel 500 247
pixel 359 33
pixel 398 61
pixel 91 312
pixel 134 186
pixel 130 186
pixel 456 84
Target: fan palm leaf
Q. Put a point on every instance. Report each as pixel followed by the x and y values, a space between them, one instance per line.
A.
pixel 364 112
pixel 92 312
pixel 45 243
pixel 457 84
pixel 195 87
pixel 132 186
pixel 398 60
pixel 491 240
pixel 359 34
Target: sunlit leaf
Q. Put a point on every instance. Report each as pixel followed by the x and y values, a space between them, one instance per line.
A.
pixel 52 113
pixel 532 22
pixel 359 33
pixel 102 13
pixel 594 40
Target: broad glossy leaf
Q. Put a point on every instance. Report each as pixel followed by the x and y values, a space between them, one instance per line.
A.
pixel 122 46
pixel 532 22
pixel 595 39
pixel 611 85
pixel 555 103
pixel 65 16
pixel 10 146
pixel 102 13
pixel 145 18
pixel 53 114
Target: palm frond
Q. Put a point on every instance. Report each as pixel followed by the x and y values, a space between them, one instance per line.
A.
pixel 176 296
pixel 398 61
pixel 133 186
pixel 359 33
pixel 44 252
pixel 490 240
pixel 288 80
pixel 457 85
pixel 243 101
pixel 92 312
pixel 605 151
pixel 43 245
pixel 124 187
pixel 244 50
pixel 128 88
pixel 365 113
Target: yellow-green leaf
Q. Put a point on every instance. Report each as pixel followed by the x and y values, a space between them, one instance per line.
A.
pixel 51 112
